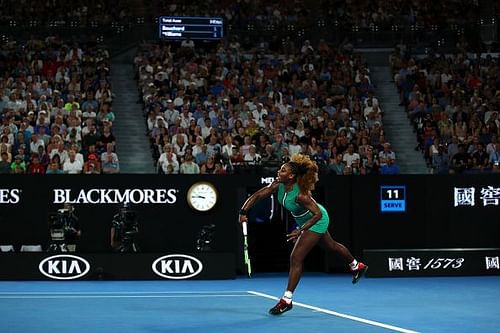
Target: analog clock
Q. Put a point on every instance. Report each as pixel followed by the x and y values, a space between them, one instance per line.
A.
pixel 202 196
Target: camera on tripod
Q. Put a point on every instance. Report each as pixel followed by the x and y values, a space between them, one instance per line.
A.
pixel 63 230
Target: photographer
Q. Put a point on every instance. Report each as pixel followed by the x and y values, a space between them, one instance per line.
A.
pixel 124 228
pixel 64 229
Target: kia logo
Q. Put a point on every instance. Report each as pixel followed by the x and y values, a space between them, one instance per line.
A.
pixel 64 267
pixel 177 266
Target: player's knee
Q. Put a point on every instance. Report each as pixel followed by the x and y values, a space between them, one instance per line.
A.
pixel 334 246
pixel 296 260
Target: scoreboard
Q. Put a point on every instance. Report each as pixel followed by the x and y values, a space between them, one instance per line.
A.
pixel 183 27
pixel 392 199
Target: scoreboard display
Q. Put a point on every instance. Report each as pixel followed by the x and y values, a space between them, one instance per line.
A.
pixel 392 199
pixel 195 28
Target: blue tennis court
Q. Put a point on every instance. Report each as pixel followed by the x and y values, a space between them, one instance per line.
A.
pixel 323 303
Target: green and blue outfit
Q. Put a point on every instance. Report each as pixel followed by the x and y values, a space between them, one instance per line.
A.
pixel 299 212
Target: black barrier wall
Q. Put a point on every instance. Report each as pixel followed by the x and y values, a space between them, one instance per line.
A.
pixel 398 212
pixel 166 221
pixel 116 266
pixel 438 214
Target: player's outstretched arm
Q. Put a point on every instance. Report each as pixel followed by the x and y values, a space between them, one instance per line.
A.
pixel 260 194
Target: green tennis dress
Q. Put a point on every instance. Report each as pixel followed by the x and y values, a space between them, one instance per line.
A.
pixel 299 212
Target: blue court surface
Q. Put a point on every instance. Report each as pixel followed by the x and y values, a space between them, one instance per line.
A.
pixel 322 303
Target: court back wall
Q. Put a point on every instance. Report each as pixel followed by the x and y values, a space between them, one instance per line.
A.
pixel 441 211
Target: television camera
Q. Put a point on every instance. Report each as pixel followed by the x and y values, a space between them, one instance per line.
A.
pixel 206 238
pixel 64 230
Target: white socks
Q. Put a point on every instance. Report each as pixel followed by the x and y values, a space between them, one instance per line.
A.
pixel 353 265
pixel 287 297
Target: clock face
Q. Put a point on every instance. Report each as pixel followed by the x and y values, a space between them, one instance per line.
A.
pixel 202 196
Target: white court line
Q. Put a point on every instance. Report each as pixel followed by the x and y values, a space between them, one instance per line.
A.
pixel 341 315
pixel 120 292
pixel 67 296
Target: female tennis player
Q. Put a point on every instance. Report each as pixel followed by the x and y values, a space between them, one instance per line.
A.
pixel 294 183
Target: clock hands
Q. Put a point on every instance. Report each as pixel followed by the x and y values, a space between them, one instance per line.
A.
pixel 198 196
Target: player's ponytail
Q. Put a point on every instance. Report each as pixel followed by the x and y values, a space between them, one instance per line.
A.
pixel 306 171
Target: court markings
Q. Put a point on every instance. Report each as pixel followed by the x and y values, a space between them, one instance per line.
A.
pixel 338 314
pixel 241 292
pixel 127 294
pixel 185 294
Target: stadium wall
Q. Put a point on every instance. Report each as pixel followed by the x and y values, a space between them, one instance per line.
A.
pixel 396 212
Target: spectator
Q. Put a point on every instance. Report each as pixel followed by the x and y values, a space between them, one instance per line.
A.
pixel 337 166
pixel 35 166
pixel 188 166
pixel 5 164
pixel 252 158
pixel 495 155
pixel 92 165
pixel 203 155
pixel 72 165
pixel 18 166
pixel 460 161
pixel 350 155
pixel 386 154
pixel 209 167
pixel 391 168
pixel 440 161
pixel 109 160
pixel 370 163
pixel 54 167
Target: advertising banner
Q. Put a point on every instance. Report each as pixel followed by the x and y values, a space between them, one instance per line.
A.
pixel 432 262
pixel 116 266
pixel 198 214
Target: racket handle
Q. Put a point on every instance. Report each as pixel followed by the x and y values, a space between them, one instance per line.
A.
pixel 244 226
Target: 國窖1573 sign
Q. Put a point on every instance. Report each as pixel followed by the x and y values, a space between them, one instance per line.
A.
pixel 489 196
pixel 392 198
pixel 433 262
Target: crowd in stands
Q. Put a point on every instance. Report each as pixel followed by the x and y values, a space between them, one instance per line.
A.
pixel 55 108
pixel 57 12
pixel 361 13
pixel 452 101
pixel 234 106
pixel 228 109
pixel 240 14
pixel 403 13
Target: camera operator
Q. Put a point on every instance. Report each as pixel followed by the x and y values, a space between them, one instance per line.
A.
pixel 124 228
pixel 72 228
pixel 65 230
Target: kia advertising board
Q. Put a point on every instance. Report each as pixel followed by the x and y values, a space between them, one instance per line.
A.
pixel 64 267
pixel 177 266
pixel 126 266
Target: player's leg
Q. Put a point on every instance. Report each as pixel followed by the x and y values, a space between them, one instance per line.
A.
pixel 302 247
pixel 358 269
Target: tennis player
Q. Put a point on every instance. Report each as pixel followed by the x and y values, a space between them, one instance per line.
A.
pixel 294 183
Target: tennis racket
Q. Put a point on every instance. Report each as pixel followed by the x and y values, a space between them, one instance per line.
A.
pixel 245 249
